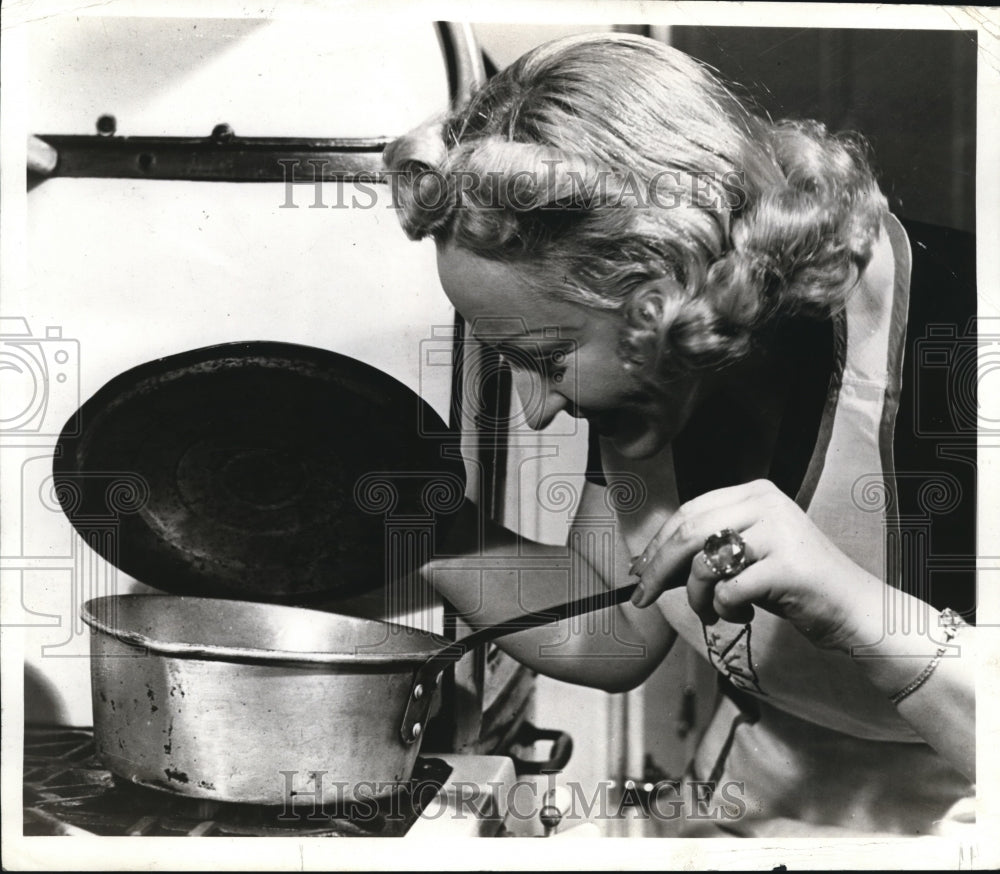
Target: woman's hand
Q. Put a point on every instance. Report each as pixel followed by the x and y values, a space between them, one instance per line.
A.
pixel 797 573
pixel 794 571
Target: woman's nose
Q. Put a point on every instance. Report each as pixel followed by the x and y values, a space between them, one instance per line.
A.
pixel 540 401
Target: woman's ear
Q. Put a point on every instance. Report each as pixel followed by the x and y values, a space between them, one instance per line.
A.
pixel 653 301
pixel 648 311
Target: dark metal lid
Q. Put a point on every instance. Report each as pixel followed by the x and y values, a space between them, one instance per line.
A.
pixel 261 471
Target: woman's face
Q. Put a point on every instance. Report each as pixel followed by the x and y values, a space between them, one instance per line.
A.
pixel 563 356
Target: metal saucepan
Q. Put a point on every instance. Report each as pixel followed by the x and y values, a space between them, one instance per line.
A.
pixel 260 703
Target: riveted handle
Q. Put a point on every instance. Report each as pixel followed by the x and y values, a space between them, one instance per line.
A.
pixel 428 675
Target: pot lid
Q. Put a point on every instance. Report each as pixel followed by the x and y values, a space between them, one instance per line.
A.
pixel 261 471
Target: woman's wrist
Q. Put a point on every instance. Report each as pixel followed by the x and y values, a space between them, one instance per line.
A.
pixel 854 607
pixel 897 639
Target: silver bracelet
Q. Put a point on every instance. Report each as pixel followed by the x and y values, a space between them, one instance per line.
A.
pixel 951 622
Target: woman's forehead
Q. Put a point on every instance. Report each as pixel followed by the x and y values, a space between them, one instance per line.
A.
pixel 485 290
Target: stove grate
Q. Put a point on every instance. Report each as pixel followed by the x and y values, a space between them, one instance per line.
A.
pixel 68 791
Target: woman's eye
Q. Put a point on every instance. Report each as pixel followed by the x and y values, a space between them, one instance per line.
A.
pixel 545 362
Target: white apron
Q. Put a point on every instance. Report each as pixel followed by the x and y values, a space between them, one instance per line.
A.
pixel 815 744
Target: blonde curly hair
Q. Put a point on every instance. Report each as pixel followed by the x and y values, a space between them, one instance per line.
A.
pixel 628 177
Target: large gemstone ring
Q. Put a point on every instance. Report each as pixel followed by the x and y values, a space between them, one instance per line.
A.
pixel 725 553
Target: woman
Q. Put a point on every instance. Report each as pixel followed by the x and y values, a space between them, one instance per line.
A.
pixel 723 299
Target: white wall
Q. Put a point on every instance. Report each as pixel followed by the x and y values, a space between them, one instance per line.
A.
pixel 346 75
pixel 131 270
pixel 505 43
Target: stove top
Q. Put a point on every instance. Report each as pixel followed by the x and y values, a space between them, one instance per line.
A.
pixel 68 791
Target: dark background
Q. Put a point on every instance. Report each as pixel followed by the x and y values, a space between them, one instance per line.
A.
pixel 911 93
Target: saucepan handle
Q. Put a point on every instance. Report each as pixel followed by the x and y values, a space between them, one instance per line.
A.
pixel 428 675
pixel 559 754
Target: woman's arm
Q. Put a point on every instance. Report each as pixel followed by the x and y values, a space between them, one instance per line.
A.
pixel 941 706
pixel 496 575
pixel 798 574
